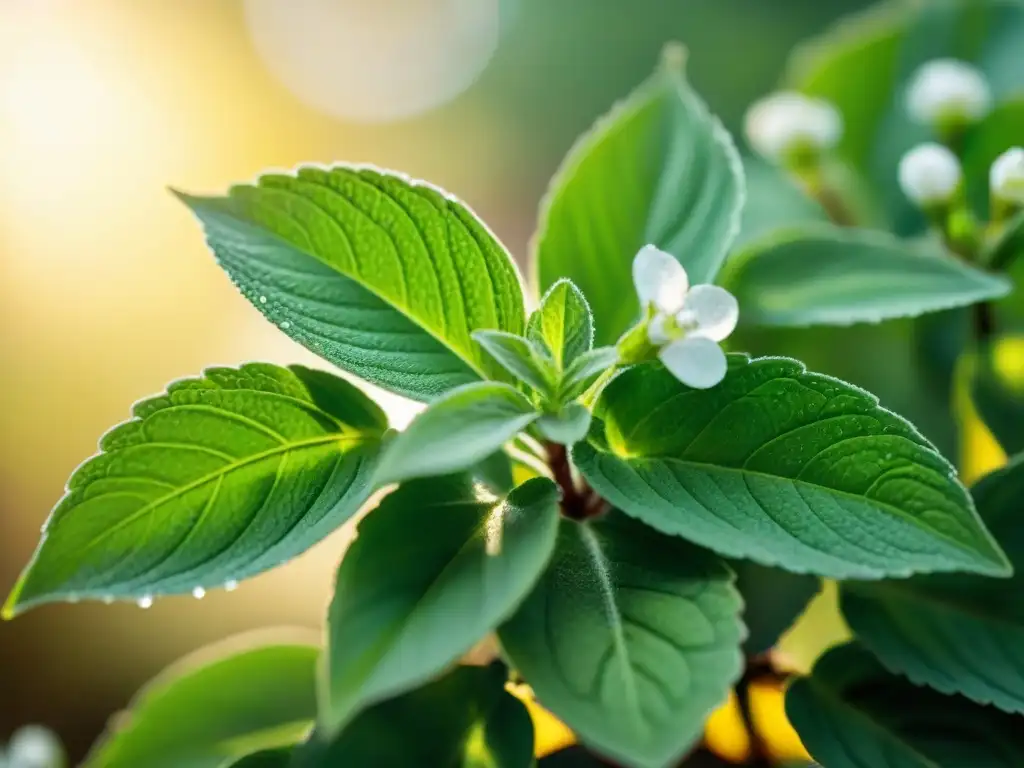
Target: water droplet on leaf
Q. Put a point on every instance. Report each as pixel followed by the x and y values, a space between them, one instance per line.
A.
pixel 145 601
pixel 198 593
pixel 231 585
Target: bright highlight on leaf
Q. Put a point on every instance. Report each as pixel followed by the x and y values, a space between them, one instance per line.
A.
pixel 384 277
pixel 435 568
pixel 218 479
pixel 784 467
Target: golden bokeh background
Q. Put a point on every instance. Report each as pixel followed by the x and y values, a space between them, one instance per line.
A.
pixel 107 291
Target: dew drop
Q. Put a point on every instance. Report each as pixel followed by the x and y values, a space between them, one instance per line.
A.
pixel 145 601
pixel 263 299
pixel 888 457
pixel 230 585
pixel 285 325
pixel 198 593
pixel 108 599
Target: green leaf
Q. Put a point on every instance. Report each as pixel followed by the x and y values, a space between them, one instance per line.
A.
pixel 659 168
pixel 582 374
pixel 242 695
pixel 218 479
pixel 773 202
pixel 460 429
pixel 568 426
pixel 784 467
pixel 998 397
pixel 958 635
pixel 504 740
pixel 851 714
pixel 437 566
pixel 773 599
pixel 563 324
pixel 380 275
pixel 432 726
pixel 267 758
pixel 631 638
pixel 520 357
pixel 833 276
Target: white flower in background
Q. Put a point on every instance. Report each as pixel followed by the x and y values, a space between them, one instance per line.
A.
pixel 1006 177
pixel 948 91
pixel 789 123
pixel 34 747
pixel 929 174
pixel 688 322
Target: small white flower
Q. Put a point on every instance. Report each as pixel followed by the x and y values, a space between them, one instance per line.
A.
pixel 1006 177
pixel 929 174
pixel 34 746
pixel 688 322
pixel 944 91
pixel 784 123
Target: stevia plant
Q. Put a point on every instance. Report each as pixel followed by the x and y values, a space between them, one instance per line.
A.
pixel 604 489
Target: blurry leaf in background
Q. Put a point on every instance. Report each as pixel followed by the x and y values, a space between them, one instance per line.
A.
pixel 659 169
pixel 772 601
pixel 774 201
pixel 996 374
pixel 827 275
pixel 851 713
pixel 1001 130
pixel 241 695
pixel 375 62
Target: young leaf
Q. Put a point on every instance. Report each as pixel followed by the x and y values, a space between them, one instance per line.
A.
pixel 659 168
pixel 833 276
pixel 958 635
pixel 521 358
pixel 462 428
pixel 563 324
pixel 222 477
pixel 784 467
pixel 444 723
pixel 437 566
pixel 582 374
pixel 632 638
pixel 851 714
pixel 772 600
pixel 380 275
pixel 568 426
pixel 245 694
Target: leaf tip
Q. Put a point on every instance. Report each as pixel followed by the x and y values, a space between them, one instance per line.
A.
pixel 673 57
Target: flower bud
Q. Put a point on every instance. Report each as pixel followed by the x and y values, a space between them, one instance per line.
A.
pixel 1006 177
pixel 948 93
pixel 790 127
pixel 35 747
pixel 929 174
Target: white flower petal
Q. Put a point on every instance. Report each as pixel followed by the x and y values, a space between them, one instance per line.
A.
pixel 788 120
pixel 657 333
pixel 714 310
pixel 660 279
pixel 948 89
pixel 696 361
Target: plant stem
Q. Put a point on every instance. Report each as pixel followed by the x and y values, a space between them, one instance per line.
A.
pixel 758 668
pixel 577 503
